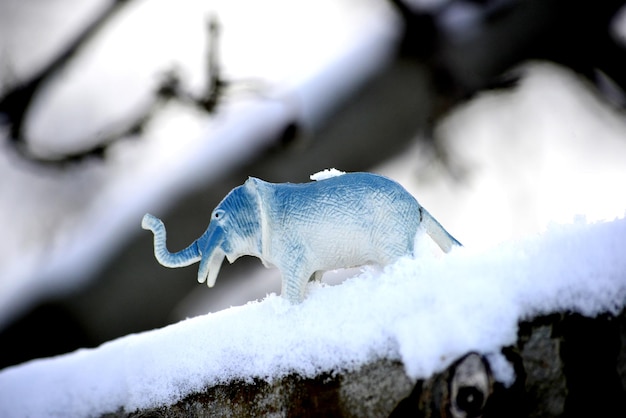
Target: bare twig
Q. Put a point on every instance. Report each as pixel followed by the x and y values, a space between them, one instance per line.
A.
pixel 15 104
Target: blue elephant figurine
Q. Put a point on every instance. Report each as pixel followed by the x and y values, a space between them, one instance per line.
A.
pixel 340 220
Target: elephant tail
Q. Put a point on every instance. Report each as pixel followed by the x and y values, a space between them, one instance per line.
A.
pixel 181 258
pixel 442 238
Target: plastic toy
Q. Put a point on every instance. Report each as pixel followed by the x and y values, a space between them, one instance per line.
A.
pixel 340 220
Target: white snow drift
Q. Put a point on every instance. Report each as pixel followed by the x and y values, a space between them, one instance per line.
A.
pixel 425 312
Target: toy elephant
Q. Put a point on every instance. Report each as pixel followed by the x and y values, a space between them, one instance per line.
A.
pixel 340 220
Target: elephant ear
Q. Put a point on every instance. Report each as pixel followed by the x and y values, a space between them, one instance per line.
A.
pixel 258 189
pixel 252 184
pixel 255 189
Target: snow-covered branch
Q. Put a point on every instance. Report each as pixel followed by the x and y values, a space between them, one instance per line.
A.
pixel 422 313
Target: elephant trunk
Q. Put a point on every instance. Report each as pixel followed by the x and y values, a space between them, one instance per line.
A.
pixel 181 258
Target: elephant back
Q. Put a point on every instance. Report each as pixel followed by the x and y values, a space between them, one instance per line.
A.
pixel 347 208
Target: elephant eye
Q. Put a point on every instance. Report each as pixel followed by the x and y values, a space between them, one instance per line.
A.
pixel 218 214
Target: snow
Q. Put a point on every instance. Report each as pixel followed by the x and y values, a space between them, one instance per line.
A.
pixel 425 312
pixel 546 151
pixel 253 49
pixel 326 174
pixel 26 40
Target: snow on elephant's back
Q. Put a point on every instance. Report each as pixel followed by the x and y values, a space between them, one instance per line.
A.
pixel 326 174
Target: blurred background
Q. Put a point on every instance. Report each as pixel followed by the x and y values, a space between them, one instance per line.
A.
pixel 500 116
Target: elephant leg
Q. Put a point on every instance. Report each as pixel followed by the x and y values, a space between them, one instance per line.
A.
pixel 316 277
pixel 294 285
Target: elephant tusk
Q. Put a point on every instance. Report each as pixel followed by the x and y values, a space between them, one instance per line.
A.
pixel 214 267
pixel 210 267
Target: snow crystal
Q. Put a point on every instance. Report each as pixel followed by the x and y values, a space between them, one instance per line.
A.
pixel 425 312
pixel 326 174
